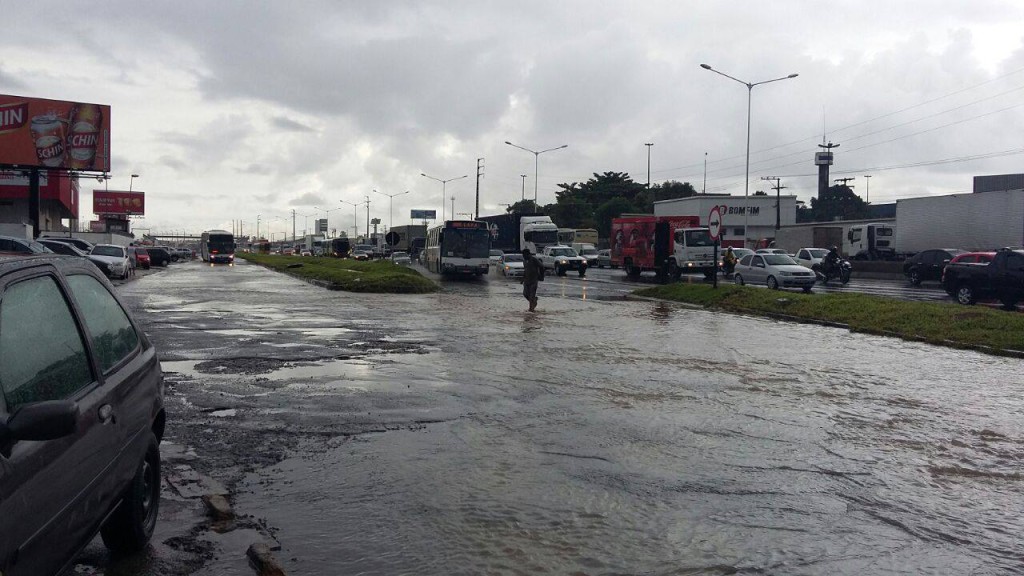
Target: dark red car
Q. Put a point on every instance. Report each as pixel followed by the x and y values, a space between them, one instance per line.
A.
pixel 141 257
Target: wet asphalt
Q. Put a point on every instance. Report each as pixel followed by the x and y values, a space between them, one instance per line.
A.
pixel 456 433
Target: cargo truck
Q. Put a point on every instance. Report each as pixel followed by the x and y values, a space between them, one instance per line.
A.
pixel 983 221
pixel 513 232
pixel 666 245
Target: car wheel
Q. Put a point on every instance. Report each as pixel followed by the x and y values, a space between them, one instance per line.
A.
pixel 807 289
pixel 773 283
pixel 1009 302
pixel 965 295
pixel 737 279
pixel 131 525
pixel 915 277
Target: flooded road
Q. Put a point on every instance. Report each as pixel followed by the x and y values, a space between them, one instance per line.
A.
pixel 456 433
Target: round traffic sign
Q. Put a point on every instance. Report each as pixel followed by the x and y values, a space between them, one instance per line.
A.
pixel 715 223
pixel 392 238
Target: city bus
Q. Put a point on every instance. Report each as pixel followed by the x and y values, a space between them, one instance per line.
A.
pixel 458 247
pixel 217 247
pixel 339 248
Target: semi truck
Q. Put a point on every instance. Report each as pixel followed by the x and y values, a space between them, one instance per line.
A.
pixel 666 245
pixel 513 232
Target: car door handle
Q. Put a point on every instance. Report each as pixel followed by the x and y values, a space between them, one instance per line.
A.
pixel 106 414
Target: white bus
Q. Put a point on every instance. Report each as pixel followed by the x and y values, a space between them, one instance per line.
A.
pixel 458 247
pixel 217 247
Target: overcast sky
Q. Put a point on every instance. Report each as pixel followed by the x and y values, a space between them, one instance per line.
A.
pixel 228 109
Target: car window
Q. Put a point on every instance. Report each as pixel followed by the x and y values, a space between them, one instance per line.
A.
pixel 1015 262
pixel 116 251
pixel 758 262
pixel 746 260
pixel 778 259
pixel 113 336
pixel 43 352
pixel 803 255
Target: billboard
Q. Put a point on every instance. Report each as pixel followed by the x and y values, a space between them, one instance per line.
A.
pixel 36 132
pixel 118 202
pixel 424 215
pixel 321 224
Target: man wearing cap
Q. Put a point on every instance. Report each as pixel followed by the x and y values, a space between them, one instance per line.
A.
pixel 533 272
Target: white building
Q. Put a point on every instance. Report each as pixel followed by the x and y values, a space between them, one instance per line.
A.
pixel 750 220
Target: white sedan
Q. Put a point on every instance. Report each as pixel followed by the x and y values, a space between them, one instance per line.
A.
pixel 511 265
pixel 810 257
pixel 114 256
pixel 774 270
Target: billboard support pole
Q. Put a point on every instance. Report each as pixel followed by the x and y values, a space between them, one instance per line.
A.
pixel 33 201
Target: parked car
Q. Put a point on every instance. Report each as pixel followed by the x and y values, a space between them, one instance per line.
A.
pixel 15 245
pixel 401 258
pixel 81 417
pixel 1002 278
pixel 775 271
pixel 83 245
pixel 810 257
pixel 116 257
pixel 511 265
pixel 604 258
pixel 141 257
pixel 494 256
pixel 927 265
pixel 159 256
pixel 973 258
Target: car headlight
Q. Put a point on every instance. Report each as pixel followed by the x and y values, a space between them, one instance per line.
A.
pixel 563 261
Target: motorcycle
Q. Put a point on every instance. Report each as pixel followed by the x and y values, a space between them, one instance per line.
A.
pixel 728 268
pixel 841 271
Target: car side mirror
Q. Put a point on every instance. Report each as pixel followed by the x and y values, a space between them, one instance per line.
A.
pixel 46 420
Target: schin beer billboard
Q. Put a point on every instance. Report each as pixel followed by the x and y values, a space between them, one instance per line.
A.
pixel 54 134
pixel 118 202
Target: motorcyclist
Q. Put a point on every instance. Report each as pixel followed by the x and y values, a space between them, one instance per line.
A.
pixel 831 260
pixel 728 261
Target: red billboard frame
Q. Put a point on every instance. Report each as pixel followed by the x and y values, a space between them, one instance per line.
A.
pixel 54 134
pixel 118 202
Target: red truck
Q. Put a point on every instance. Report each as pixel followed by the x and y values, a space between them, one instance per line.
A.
pixel 666 245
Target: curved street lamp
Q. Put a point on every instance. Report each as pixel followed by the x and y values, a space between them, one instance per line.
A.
pixel 746 181
pixel 355 217
pixel 443 184
pixel 536 164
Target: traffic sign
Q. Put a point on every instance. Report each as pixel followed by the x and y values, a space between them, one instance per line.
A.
pixel 715 223
pixel 392 238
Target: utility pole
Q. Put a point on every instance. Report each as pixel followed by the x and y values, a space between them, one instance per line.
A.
pixel 778 198
pixel 367 215
pixel 523 176
pixel 649 144
pixel 704 187
pixel 867 191
pixel 453 206
pixel 293 224
pixel 479 174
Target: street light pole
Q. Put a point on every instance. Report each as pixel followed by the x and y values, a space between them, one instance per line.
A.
pixel 444 183
pixel 536 164
pixel 523 176
pixel 649 144
pixel 355 216
pixel 746 181
pixel 391 215
pixel 867 191
pixel 132 181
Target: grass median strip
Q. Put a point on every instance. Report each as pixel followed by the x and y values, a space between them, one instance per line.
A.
pixel 378 276
pixel 937 323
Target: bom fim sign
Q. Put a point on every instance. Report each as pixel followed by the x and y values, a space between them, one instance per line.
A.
pixel 54 134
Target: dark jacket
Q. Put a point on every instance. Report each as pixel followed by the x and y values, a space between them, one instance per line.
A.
pixel 533 270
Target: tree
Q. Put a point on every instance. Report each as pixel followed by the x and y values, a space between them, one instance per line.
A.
pixel 523 207
pixel 611 209
pixel 669 190
pixel 838 203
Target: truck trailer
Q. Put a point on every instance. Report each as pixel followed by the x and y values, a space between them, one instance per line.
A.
pixel 513 232
pixel 976 222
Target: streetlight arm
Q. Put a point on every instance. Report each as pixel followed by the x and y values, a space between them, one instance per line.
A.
pixel 555 148
pixel 521 148
pixel 706 67
pixel 774 80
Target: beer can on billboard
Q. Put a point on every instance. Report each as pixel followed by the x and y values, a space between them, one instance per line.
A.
pixel 86 122
pixel 48 136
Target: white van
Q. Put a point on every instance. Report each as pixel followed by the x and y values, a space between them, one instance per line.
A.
pixel 588 251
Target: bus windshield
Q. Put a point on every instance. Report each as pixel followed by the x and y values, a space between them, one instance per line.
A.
pixel 467 242
pixel 221 244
